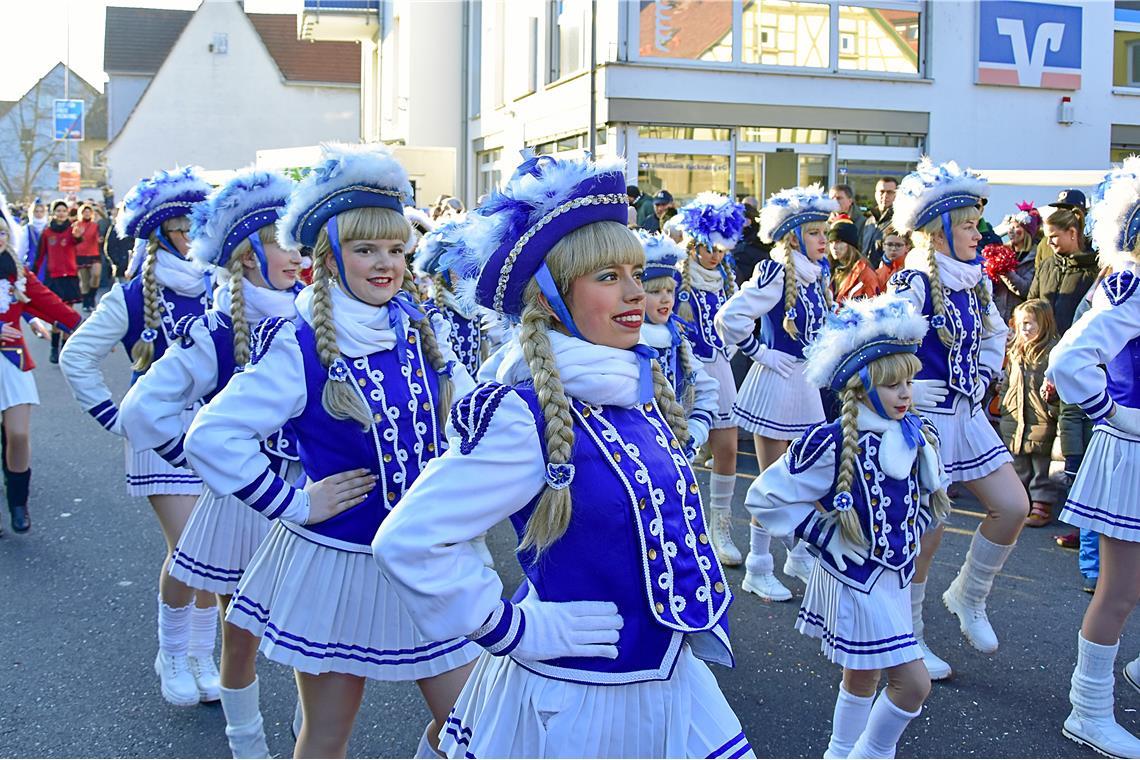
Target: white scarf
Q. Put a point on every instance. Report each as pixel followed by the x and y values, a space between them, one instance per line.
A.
pixel 260 303
pixel 656 336
pixel 178 274
pixel 38 224
pixel 895 456
pixel 954 274
pixel 710 280
pixel 594 374
pixel 361 329
pixel 807 271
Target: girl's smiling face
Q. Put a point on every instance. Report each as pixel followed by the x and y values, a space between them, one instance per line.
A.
pixel 659 302
pixel 895 398
pixel 710 258
pixel 283 267
pixel 373 269
pixel 608 305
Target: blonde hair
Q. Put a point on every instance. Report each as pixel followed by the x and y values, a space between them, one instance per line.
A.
pixel 341 400
pixel 236 268
pixel 1035 350
pixel 585 250
pixel 18 294
pixel 888 370
pixel 788 245
pixel 685 308
pixel 924 238
pixel 143 351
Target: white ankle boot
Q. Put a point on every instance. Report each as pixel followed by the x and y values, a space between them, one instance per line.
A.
pixel 726 550
pixel 799 562
pixel 203 639
pixel 245 729
pixel 967 595
pixel 177 683
pixel 935 665
pixel 758 576
pixel 1132 674
pixel 1092 722
pixel 206 677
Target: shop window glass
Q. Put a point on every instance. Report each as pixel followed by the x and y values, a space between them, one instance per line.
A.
pixel 655 132
pixel 882 139
pixel 862 176
pixel 813 169
pixel 750 175
pixel 684 175
pixel 695 30
pixel 784 33
pixel 878 39
pixel 489 172
pixel 784 135
pixel 1126 45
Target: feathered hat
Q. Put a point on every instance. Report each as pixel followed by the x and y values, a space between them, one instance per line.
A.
pixel 791 209
pixel 165 195
pixel 662 255
pixel 421 222
pixel 931 191
pixel 16 241
pixel 445 237
pixel 1115 214
pixel 861 332
pixel 712 219
pixel 235 212
pixel 348 177
pixel 510 234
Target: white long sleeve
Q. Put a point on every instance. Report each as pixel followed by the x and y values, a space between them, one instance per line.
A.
pixel 92 342
pixel 991 356
pixel 422 545
pixel 736 320
pixel 781 500
pixel 706 400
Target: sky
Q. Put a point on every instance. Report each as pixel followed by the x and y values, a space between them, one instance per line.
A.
pixel 36 38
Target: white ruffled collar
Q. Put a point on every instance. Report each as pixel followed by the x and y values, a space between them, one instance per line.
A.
pixel 260 303
pixel 656 336
pixel 954 274
pixel 593 374
pixel 807 271
pixel 361 329
pixel 710 280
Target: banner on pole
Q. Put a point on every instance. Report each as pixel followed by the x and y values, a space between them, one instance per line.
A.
pixel 69 176
pixel 67 119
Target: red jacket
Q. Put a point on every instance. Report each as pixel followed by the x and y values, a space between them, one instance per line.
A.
pixel 59 247
pixel 88 245
pixel 41 303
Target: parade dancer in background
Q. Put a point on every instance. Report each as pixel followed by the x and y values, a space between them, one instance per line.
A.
pixel 21 294
pixel 1097 364
pixel 712 225
pixel 877 475
pixel 234 229
pixel 600 652
pixel 142 316
pixel 364 385
pixel 786 302
pixel 961 355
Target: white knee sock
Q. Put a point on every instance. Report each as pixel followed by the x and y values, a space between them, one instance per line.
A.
pixel 917 596
pixel 203 631
pixel 847 722
pixel 245 728
pixel 174 628
pixel 720 491
pixel 885 727
pixel 759 561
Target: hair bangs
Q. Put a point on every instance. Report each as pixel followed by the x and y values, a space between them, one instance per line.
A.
pixel 590 248
pixel 894 368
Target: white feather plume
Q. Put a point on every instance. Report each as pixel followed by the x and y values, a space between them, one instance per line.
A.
pixel 858 323
pixel 929 183
pixel 17 239
pixel 1116 199
pixel 213 220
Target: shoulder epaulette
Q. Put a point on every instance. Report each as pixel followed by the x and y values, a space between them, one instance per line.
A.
pixel 813 444
pixel 472 414
pixel 182 329
pixel 904 279
pixel 768 271
pixel 1120 287
pixel 263 335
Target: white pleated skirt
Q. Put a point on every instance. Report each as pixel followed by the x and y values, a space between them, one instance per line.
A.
pixel 971 448
pixel 505 710
pixel 1105 496
pixel 862 631
pixel 219 540
pixel 780 408
pixel 720 370
pixel 148 474
pixel 322 606
pixel 16 386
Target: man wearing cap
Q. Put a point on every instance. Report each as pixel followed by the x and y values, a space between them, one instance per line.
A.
pixel 663 211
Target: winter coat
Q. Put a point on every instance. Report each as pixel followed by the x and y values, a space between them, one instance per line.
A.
pixel 1013 287
pixel 58 245
pixel 1063 280
pixel 859 282
pixel 1028 422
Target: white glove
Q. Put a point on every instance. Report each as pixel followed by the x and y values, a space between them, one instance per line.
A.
pixel 777 361
pixel 837 547
pixel 551 630
pixel 698 434
pixel 1126 418
pixel 927 394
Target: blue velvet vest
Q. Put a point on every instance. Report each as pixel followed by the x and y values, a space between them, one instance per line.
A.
pixel 405 434
pixel 172 308
pixel 1124 370
pixel 466 337
pixel 702 332
pixel 811 312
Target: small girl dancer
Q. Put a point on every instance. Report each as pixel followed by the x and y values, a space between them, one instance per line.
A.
pixel 878 478
pixel 961 354
pixel 599 653
pixel 21 295
pixel 789 297
pixel 365 387
pixel 234 229
pixel 1097 364
pixel 465 331
pixel 712 224
pixel 142 316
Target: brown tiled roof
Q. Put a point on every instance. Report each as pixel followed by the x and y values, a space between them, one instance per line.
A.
pixel 137 40
pixel 303 61
pixel 694 28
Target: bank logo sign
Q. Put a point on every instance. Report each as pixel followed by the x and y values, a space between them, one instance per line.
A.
pixel 1029 44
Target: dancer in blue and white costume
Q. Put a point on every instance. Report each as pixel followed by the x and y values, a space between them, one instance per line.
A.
pixel 788 297
pixel 961 355
pixel 712 225
pixel 233 229
pixel 599 653
pixel 141 315
pixel 364 387
pixel 877 475
pixel 1097 365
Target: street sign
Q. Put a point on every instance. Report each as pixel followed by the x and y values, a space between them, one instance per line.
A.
pixel 69 172
pixel 67 120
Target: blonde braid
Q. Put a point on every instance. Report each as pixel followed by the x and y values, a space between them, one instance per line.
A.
pixel 667 401
pixel 848 457
pixel 685 308
pixel 339 399
pixel 551 515
pixel 984 298
pixel 686 363
pixel 440 290
pixel 791 294
pixel 939 500
pixel 729 278
pixel 237 312
pixel 937 296
pixel 142 351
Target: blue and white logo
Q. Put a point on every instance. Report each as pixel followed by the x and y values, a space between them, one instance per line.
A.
pixel 1029 44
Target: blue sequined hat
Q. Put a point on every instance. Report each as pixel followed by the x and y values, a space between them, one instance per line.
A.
pixel 931 191
pixel 348 177
pixel 791 209
pixel 235 212
pixel 712 219
pixel 446 236
pixel 165 195
pixel 662 255
pixel 1115 214
pixel 859 333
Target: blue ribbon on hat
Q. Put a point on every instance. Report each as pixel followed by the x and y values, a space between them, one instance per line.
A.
pixel 911 423
pixel 645 356
pixel 402 309
pixel 334 243
pixel 263 261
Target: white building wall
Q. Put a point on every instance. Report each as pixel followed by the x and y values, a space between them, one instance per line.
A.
pixel 123 92
pixel 217 110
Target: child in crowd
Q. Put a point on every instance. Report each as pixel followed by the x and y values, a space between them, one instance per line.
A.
pixel 851 275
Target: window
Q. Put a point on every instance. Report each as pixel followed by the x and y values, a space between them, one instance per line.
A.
pixel 683 175
pixel 489 172
pixel 655 132
pixel 750 175
pixel 568 36
pixel 862 176
pixel 784 33
pixel 882 139
pixel 784 135
pixel 1125 41
pixel 813 170
pixel 878 39
pixel 696 30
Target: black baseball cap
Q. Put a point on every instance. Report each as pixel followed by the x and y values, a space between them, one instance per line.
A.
pixel 1071 198
pixel 662 197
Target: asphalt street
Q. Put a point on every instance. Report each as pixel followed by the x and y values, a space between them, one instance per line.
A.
pixel 78 639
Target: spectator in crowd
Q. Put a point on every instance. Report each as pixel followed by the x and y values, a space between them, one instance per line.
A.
pixel 851 276
pixel 1065 277
pixel 1071 200
pixel 1029 406
pixel 1023 229
pixel 663 211
pixel 33 230
pixel 88 256
pixel 750 250
pixel 641 203
pixel 117 249
pixel 844 195
pixel 880 218
pixel 896 246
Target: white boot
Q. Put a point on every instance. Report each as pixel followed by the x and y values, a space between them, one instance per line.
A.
pixel 758 576
pixel 1132 674
pixel 245 729
pixel 935 665
pixel 1092 722
pixel 885 727
pixel 967 594
pixel 480 545
pixel 203 637
pixel 847 723
pixel 799 562
pixel 720 503
pixel 424 750
pixel 171 665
